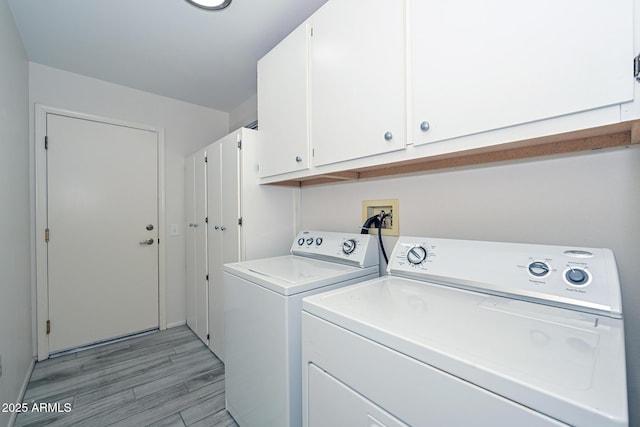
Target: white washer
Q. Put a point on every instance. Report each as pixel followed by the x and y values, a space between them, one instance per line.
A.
pixel 470 333
pixel 262 307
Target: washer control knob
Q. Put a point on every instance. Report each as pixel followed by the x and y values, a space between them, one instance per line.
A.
pixel 416 255
pixel 539 268
pixel 576 276
pixel 309 240
pixel 318 241
pixel 301 241
pixel 348 246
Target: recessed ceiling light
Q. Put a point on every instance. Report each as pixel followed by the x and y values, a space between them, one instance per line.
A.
pixel 210 4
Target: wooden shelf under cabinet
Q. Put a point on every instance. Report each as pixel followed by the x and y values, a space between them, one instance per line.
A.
pixel 610 136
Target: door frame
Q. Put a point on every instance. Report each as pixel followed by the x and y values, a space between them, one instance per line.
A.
pixel 41 277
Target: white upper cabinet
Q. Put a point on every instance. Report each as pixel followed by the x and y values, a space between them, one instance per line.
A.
pixel 479 66
pixel 282 106
pixel 357 79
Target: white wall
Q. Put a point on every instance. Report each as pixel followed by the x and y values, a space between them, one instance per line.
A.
pixel 244 114
pixel 15 252
pixel 187 127
pixel 590 199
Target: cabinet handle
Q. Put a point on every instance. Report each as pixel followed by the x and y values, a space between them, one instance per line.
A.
pixel 216 227
pixel 424 126
pixel 388 136
pixel 298 159
pixel 222 228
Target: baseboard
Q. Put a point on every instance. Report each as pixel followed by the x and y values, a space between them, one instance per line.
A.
pixel 23 390
pixel 175 324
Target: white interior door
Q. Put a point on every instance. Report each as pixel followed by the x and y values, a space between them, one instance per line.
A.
pixel 190 239
pixel 201 270
pixel 196 244
pixel 230 206
pixel 216 250
pixel 102 214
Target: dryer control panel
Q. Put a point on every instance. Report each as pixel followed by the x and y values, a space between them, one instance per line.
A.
pixel 584 279
pixel 359 250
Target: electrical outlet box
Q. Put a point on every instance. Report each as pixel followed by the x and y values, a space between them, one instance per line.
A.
pixel 387 210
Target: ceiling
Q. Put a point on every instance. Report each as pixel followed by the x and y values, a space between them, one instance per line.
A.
pixel 167 47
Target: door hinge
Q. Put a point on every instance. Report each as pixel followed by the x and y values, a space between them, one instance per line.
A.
pixel 240 221
pixel 636 67
pixel 206 220
pixel 208 336
pixel 46 142
pixel 205 159
pixel 48 327
pixel 207 277
pixel 46 235
pixel 240 144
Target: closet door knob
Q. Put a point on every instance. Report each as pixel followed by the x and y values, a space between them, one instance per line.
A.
pixel 298 159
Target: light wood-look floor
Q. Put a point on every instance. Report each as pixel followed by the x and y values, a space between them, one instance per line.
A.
pixel 168 378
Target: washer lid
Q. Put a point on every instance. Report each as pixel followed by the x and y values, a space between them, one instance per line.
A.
pixel 291 274
pixel 568 365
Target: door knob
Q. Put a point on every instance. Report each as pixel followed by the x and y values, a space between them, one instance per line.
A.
pixel 147 242
pixel 223 228
pixel 149 227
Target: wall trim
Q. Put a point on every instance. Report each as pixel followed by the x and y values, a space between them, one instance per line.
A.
pixel 23 390
pixel 176 324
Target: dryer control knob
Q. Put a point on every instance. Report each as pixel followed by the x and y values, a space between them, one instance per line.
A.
pixel 539 268
pixel 576 276
pixel 416 255
pixel 348 246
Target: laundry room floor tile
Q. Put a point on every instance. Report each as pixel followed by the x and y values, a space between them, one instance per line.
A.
pixel 167 378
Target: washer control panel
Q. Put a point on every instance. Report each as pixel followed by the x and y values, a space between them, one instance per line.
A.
pixel 354 249
pixel 584 279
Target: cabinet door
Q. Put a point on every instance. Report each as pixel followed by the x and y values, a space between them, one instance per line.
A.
pixel 479 66
pixel 190 237
pixel 230 202
pixel 216 250
pixel 282 106
pixel 357 79
pixel 224 231
pixel 196 244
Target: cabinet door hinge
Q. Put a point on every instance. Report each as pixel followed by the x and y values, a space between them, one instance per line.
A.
pixel 46 142
pixel 239 144
pixel 206 220
pixel 205 159
pixel 46 235
pixel 636 67
pixel 208 336
pixel 240 221
pixel 48 327
pixel 207 277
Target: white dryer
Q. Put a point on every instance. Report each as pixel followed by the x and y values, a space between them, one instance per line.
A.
pixel 465 333
pixel 262 309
